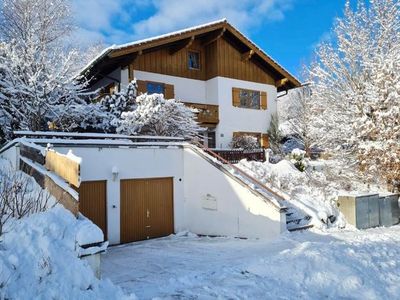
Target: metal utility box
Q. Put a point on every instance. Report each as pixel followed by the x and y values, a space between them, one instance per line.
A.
pixel 389 211
pixel 362 211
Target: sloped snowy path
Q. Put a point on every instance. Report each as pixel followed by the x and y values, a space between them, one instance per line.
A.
pixel 346 264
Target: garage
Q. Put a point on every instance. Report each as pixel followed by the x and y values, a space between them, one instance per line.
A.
pixel 92 202
pixel 146 208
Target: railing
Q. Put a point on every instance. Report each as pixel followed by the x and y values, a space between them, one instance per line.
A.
pixel 235 155
pixel 207 113
pixel 245 176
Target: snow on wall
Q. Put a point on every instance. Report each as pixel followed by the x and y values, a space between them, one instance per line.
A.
pixel 215 204
pixel 146 162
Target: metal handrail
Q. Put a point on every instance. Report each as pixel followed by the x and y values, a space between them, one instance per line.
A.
pixel 244 174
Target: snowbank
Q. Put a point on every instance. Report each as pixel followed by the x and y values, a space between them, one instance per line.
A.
pixel 308 193
pixel 38 259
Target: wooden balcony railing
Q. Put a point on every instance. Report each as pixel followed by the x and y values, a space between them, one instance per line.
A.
pixel 207 113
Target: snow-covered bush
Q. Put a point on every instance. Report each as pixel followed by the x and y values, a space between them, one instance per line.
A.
pixel 91 117
pixel 124 100
pixel 356 84
pixel 246 142
pixel 297 157
pixel 155 115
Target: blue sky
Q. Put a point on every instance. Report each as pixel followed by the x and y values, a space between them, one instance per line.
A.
pixel 288 30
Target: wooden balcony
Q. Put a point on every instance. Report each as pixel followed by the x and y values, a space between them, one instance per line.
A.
pixel 207 113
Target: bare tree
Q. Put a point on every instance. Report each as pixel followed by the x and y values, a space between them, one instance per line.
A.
pixel 19 196
pixel 275 135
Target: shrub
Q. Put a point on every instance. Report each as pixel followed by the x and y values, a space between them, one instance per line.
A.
pixel 297 158
pixel 246 142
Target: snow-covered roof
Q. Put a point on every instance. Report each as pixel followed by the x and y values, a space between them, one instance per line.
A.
pixel 212 25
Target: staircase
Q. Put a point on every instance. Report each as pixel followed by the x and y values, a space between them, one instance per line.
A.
pixel 296 219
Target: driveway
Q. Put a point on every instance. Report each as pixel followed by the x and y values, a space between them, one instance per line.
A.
pixel 344 264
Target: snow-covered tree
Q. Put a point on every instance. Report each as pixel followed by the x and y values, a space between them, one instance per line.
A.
pixel 298 117
pixel 124 100
pixel 155 115
pixel 356 82
pixel 36 72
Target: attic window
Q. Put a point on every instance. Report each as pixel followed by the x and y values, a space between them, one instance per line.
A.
pixel 194 60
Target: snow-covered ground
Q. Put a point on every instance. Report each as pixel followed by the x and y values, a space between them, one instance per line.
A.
pixel 39 260
pixel 312 193
pixel 301 265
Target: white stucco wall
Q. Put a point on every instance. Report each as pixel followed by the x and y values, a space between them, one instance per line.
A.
pixel 218 91
pixel 216 204
pixel 241 119
pixel 97 164
pixel 186 90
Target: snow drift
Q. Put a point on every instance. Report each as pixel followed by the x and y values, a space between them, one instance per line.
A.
pixel 38 259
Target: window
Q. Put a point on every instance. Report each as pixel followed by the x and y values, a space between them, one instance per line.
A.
pixel 249 99
pixel 155 87
pixel 194 60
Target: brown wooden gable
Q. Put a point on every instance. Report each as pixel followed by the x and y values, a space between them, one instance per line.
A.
pixel 224 51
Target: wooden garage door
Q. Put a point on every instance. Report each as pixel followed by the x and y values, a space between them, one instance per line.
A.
pixel 92 202
pixel 146 209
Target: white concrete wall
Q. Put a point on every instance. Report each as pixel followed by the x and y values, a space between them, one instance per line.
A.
pixel 97 164
pixel 216 204
pixel 206 201
pixel 241 119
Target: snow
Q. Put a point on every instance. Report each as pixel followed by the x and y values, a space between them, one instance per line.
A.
pixel 38 260
pixel 305 265
pixel 92 135
pixel 88 233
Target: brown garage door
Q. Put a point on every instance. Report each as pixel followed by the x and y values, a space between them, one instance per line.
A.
pixel 92 202
pixel 146 209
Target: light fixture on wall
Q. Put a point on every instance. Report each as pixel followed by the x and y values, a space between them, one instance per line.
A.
pixel 114 172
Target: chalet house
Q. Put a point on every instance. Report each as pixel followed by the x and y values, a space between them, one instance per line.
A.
pixel 212 67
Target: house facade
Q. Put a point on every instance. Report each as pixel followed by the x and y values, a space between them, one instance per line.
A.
pixel 213 67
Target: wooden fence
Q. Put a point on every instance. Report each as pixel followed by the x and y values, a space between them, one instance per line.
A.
pixel 64 167
pixel 233 156
pixel 54 162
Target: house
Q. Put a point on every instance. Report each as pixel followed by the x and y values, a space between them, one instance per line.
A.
pixel 212 67
pixel 136 188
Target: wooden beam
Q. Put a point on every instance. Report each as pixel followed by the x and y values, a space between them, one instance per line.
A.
pixel 281 82
pixel 181 45
pixel 212 38
pixel 247 55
